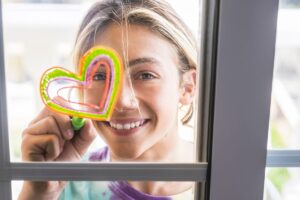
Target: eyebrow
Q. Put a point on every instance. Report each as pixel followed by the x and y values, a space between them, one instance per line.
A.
pixel 143 60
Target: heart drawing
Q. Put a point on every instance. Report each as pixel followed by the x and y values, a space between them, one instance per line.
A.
pixel 89 65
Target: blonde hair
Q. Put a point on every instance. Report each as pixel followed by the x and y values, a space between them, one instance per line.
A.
pixel 157 15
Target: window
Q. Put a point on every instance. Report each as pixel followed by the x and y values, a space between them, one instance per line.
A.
pixel 239 42
pixel 32 46
pixel 25 52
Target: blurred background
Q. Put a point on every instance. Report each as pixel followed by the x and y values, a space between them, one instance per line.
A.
pixel 284 127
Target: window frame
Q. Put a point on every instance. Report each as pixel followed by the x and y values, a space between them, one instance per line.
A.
pixel 245 58
pixel 283 158
pixel 10 171
pixel 247 70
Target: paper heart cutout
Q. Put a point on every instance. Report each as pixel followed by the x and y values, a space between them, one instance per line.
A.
pixel 89 64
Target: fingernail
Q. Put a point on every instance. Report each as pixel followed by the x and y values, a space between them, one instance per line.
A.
pixel 70 133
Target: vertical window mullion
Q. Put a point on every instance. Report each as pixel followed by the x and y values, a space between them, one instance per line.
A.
pixel 4 141
pixel 245 60
pixel 5 190
pixel 5 185
pixel 207 62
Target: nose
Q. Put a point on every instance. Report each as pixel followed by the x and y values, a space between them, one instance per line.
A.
pixel 127 99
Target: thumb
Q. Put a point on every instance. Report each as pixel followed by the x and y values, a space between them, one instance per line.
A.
pixel 84 137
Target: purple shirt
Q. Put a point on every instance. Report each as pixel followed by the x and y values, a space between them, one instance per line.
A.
pixel 110 190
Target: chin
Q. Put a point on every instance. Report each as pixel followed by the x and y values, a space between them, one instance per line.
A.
pixel 128 155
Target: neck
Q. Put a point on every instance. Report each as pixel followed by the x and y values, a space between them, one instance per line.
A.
pixel 171 149
pixel 166 150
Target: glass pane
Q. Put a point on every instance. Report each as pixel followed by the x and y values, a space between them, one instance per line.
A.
pixel 115 190
pixel 282 184
pixel 285 108
pixel 133 80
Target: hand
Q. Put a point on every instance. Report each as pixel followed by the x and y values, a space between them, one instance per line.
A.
pixel 50 137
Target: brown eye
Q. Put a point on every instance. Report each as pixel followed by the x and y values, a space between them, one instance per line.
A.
pixel 99 76
pixel 145 76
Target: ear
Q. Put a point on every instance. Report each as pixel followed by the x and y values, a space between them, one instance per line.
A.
pixel 188 87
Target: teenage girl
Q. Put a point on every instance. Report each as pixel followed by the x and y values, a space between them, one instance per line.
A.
pixel 159 56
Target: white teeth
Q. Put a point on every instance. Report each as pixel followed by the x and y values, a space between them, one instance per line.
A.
pixel 137 124
pixel 126 126
pixel 119 126
pixel 132 125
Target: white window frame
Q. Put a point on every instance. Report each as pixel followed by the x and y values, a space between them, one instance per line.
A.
pixel 239 44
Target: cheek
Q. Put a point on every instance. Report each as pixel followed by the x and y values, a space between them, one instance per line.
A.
pixel 160 97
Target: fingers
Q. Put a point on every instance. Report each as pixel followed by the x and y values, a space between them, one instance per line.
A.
pixel 47 125
pixel 61 121
pixel 39 144
pixel 46 135
pixel 42 141
pixel 84 138
pixel 40 148
pixel 50 136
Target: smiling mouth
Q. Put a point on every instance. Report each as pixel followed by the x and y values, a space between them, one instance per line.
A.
pixel 127 125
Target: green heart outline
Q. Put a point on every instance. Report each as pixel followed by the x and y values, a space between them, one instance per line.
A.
pixel 59 72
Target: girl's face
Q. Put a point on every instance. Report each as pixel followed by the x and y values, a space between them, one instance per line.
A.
pixel 145 116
